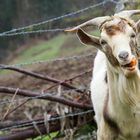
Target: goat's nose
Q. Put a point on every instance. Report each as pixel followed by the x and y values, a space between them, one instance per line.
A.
pixel 123 55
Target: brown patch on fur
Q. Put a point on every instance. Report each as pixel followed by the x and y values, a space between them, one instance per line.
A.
pixel 121 24
pixel 87 39
pixel 106 80
pixel 113 61
pixel 139 135
pixel 133 47
pixel 110 122
pixel 113 29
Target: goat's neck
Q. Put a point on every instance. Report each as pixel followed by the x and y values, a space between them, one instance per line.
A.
pixel 124 92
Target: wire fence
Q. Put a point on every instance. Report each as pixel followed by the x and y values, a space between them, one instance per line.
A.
pixel 14 32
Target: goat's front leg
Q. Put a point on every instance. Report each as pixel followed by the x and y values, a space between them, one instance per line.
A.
pixel 105 132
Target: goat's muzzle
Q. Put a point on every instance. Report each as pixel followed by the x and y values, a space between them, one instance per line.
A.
pixel 131 66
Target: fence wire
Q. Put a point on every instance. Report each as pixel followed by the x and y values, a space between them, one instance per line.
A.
pixel 33 32
pixel 52 119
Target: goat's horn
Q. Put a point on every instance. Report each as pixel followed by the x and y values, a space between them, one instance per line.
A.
pixel 96 21
pixel 127 13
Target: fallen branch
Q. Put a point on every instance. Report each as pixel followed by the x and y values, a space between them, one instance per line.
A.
pixel 48 96
pixel 54 125
pixel 40 76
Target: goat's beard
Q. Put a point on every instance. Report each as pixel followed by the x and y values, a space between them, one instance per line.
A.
pixel 129 73
pixel 129 89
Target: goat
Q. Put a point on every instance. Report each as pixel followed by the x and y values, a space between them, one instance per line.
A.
pixel 115 86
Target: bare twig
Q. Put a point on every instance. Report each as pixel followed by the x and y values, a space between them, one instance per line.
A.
pixel 7 112
pixel 46 123
pixel 34 123
pixel 43 77
pixel 14 109
pixel 70 79
pixel 79 75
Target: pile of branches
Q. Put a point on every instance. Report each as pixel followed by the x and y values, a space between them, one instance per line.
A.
pixel 54 121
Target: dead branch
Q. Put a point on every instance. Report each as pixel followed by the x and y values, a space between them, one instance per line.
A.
pixel 40 76
pixel 54 125
pixel 48 96
pixel 71 79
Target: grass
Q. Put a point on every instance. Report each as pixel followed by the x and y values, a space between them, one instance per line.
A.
pixel 43 50
pixel 51 136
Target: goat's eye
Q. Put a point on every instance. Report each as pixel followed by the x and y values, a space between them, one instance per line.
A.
pixel 133 35
pixel 103 42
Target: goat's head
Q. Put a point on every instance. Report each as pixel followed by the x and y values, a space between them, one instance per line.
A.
pixel 117 39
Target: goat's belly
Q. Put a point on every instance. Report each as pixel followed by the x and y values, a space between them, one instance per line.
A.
pixel 99 85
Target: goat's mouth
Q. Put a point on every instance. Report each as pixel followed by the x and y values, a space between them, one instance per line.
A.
pixel 130 66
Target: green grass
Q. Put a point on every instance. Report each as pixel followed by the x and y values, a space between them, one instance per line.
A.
pixel 51 136
pixel 43 50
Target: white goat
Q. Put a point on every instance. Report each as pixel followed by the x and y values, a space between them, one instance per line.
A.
pixel 115 87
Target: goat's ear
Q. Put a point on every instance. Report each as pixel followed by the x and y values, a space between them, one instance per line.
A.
pixel 138 26
pixel 88 39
